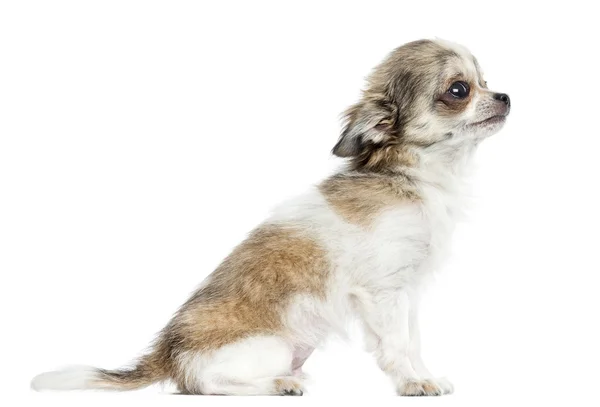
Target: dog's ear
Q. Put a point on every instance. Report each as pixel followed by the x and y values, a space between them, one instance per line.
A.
pixel 366 123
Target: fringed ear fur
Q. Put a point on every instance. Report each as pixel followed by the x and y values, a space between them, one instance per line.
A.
pixel 367 122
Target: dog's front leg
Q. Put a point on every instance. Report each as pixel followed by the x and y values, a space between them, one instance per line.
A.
pixel 385 315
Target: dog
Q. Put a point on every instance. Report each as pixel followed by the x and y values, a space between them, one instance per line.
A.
pixel 358 245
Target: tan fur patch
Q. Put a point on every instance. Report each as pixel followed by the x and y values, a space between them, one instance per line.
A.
pixel 431 389
pixel 411 388
pixel 386 159
pixel 419 388
pixel 247 294
pixel 360 197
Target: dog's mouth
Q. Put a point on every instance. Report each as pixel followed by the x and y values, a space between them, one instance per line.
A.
pixel 497 119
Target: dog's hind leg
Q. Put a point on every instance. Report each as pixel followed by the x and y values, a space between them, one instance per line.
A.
pixel 258 365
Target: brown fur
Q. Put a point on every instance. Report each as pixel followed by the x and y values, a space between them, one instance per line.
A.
pixel 420 388
pixel 377 159
pixel 431 389
pixel 245 296
pixel 360 197
pixel 155 366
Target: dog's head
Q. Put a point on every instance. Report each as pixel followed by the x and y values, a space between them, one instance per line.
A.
pixel 424 93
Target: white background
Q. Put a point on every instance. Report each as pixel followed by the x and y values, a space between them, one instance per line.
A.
pixel 141 140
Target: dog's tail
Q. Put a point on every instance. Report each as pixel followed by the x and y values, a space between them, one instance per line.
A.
pixel 149 369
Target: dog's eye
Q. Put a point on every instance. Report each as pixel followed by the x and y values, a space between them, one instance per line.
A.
pixel 459 89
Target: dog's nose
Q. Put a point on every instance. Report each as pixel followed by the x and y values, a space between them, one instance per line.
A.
pixel 503 97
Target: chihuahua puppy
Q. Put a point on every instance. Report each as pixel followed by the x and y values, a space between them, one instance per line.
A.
pixel 359 244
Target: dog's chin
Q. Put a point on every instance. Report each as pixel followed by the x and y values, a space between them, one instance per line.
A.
pixel 487 127
pixel 493 121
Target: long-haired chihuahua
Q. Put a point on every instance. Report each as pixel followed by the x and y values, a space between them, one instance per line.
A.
pixel 359 244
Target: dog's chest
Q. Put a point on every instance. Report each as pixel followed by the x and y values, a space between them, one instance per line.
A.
pixel 441 211
pixel 411 240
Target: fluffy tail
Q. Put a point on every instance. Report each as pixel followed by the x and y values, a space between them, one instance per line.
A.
pixel 150 369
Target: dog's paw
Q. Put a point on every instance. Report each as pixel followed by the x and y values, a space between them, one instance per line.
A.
pixel 412 388
pixel 289 386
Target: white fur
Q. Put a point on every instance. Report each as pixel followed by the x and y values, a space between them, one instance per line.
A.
pixel 247 367
pixel 463 52
pixel 69 378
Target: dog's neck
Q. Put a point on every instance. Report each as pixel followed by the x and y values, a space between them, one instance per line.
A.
pixel 441 178
pixel 442 164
